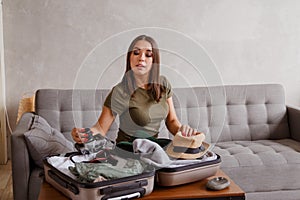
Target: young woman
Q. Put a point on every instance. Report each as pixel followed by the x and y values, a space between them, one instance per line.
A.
pixel 141 100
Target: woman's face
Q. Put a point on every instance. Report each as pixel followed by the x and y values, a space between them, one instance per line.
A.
pixel 141 58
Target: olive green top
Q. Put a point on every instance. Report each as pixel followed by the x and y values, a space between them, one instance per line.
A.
pixel 139 112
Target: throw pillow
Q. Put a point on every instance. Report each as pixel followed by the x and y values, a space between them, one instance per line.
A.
pixel 43 140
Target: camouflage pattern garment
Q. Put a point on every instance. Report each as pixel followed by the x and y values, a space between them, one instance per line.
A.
pixel 88 172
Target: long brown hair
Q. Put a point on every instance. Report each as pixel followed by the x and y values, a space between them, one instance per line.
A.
pixel 153 85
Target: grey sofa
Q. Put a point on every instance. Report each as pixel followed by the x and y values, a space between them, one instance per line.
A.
pixel 249 126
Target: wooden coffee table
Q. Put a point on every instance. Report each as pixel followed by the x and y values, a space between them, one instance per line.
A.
pixel 196 190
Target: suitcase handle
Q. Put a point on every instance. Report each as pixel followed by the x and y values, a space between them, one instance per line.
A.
pixel 63 183
pixel 112 189
pixel 129 194
pixel 117 191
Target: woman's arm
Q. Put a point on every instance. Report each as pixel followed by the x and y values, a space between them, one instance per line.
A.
pixel 173 123
pixel 101 127
pixel 104 122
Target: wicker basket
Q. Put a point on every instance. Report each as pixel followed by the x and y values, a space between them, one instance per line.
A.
pixel 26 104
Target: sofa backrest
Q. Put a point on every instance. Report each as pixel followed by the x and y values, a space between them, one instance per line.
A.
pixel 234 112
pixel 224 113
pixel 65 109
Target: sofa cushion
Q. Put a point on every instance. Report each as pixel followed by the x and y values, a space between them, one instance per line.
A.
pixel 262 165
pixel 43 140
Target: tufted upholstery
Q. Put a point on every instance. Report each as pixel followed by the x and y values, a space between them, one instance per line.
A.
pixel 66 109
pixel 249 126
pixel 236 112
pixel 262 165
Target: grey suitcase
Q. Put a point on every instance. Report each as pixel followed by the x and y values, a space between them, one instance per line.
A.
pixel 123 188
pixel 188 173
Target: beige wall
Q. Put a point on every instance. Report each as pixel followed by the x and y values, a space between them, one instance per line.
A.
pixel 67 44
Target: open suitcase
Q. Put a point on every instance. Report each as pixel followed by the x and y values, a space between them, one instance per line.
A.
pixel 188 173
pixel 207 166
pixel 123 188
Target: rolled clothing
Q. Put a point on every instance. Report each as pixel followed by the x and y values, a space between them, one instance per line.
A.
pixel 88 172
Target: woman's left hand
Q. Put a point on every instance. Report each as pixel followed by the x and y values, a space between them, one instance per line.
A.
pixel 187 131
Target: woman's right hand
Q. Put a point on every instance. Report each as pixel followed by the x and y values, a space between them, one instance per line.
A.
pixel 75 134
pixel 82 135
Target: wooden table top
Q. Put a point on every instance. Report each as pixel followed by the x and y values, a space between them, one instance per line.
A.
pixel 191 190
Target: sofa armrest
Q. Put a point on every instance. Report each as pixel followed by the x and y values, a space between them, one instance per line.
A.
pixel 294 121
pixel 20 158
